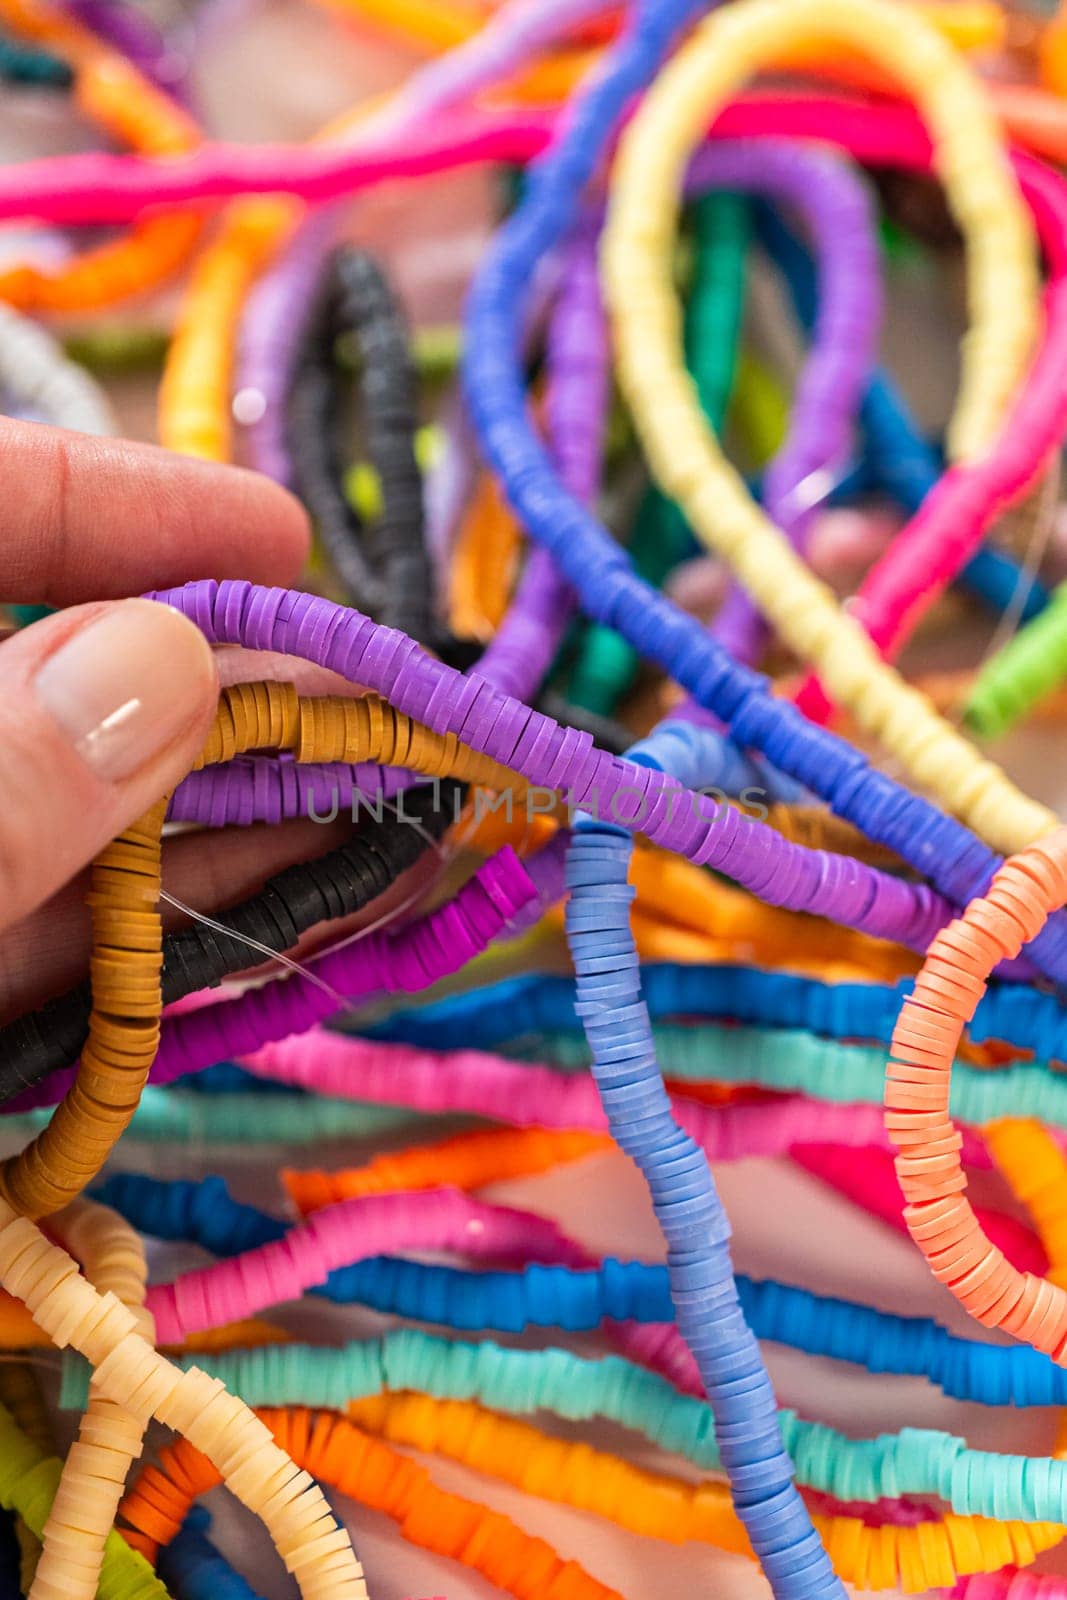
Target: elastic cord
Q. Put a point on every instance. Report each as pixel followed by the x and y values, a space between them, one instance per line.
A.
pixel 339 883
pixel 408 957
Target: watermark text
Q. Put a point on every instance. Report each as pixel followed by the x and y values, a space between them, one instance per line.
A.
pixel 627 807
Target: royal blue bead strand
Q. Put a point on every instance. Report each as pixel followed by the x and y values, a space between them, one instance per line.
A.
pixel 193 1569
pixel 578 1300
pixel 536 1003
pixel 938 846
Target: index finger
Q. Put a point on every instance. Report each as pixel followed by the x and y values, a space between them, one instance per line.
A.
pixel 97 519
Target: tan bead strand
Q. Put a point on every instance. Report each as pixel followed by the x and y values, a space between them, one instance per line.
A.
pixel 110 1438
pixel 127 934
pixel 272 716
pixel 132 1374
pixel 123 1037
pixel 132 1382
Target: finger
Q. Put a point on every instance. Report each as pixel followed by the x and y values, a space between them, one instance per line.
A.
pixel 102 709
pixel 49 950
pixel 95 519
pixel 238 665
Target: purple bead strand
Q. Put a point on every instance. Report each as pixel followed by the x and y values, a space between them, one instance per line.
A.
pixel 272 330
pixel 771 867
pixel 409 958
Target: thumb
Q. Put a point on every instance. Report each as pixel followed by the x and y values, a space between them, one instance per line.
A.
pixel 103 708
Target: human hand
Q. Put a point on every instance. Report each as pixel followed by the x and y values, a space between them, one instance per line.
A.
pixel 104 706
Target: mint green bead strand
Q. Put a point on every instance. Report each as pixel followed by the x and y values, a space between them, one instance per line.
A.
pixel 826 1069
pixel 913 1462
pixel 183 1117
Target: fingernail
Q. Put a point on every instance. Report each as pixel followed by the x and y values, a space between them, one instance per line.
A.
pixel 127 685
